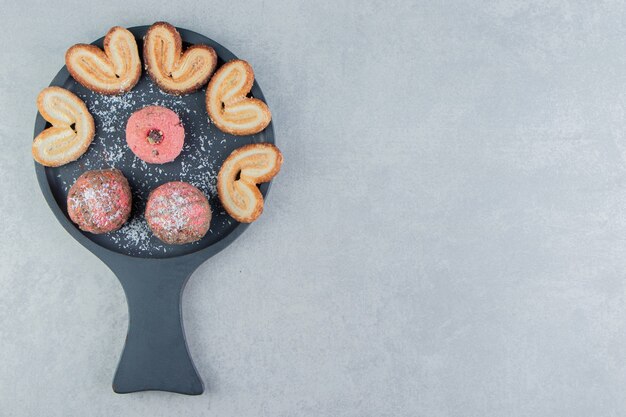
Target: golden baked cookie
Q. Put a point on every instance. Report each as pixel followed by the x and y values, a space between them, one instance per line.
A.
pixel 115 70
pixel 72 128
pixel 253 164
pixel 227 102
pixel 172 70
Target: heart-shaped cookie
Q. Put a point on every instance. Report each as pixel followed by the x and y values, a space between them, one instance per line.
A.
pixel 172 70
pixel 115 70
pixel 227 102
pixel 72 128
pixel 240 173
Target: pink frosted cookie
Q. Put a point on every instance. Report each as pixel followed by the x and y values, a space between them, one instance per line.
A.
pixel 177 213
pixel 100 201
pixel 155 134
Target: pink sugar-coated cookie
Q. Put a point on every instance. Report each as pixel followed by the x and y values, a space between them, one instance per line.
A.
pixel 155 134
pixel 100 201
pixel 178 213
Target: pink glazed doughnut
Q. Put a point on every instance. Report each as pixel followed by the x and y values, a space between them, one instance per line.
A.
pixel 155 134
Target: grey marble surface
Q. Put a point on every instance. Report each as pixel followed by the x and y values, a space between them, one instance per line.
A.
pixel 447 237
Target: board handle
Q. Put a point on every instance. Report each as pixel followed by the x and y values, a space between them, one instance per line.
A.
pixel 155 355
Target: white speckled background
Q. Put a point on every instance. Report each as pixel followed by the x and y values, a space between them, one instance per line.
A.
pixel 447 237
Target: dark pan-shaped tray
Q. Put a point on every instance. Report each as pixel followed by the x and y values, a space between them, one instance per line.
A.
pixel 153 274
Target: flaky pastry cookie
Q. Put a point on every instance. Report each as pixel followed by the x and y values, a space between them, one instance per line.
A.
pixel 115 70
pixel 172 70
pixel 240 173
pixel 227 102
pixel 72 128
